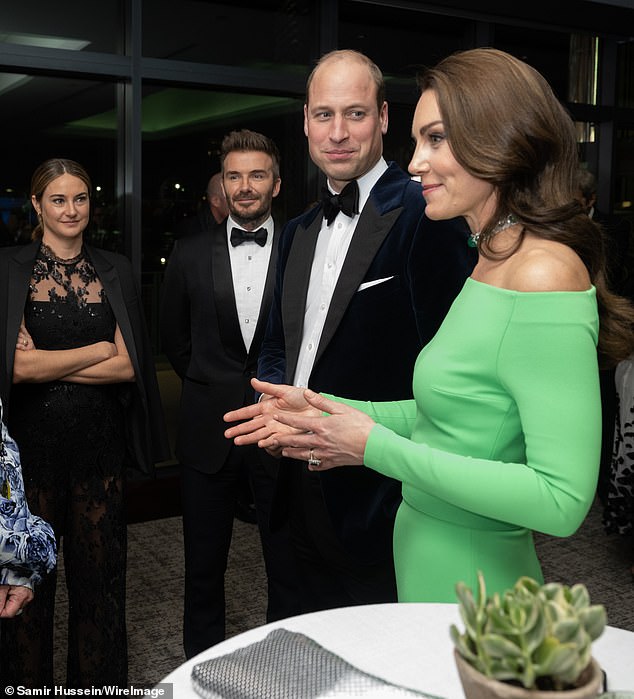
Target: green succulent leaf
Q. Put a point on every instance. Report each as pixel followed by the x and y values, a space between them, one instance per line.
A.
pixel 529 631
pixel 499 622
pixel 567 630
pixel 558 662
pixel 482 590
pixel 529 676
pixel 464 649
pixel 467 605
pixel 550 589
pixel 500 647
pixel 579 596
pixel 535 636
pixel 517 616
pixel 594 620
pixel 528 584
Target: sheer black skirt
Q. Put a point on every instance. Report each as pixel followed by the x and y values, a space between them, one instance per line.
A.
pixel 73 463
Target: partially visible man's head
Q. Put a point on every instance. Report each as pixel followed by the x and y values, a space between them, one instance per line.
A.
pixel 345 116
pixel 586 189
pixel 216 198
pixel 250 176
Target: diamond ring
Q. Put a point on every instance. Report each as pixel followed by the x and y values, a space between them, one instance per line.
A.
pixel 312 461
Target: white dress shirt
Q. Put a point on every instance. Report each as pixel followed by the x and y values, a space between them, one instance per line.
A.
pixel 330 254
pixel 249 267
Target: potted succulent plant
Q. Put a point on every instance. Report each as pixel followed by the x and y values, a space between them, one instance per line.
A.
pixel 532 640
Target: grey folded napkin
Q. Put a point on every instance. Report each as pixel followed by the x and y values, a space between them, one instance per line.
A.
pixel 288 665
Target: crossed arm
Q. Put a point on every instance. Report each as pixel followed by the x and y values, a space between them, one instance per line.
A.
pixel 97 363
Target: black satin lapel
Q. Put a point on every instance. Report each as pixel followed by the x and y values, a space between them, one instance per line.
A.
pixel 295 289
pixel 267 298
pixel 224 297
pixel 109 278
pixel 20 269
pixel 371 231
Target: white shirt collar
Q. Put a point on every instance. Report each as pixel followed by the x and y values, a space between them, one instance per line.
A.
pixel 268 224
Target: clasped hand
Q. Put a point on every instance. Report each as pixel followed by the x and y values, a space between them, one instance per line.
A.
pixel 289 421
pixel 13 598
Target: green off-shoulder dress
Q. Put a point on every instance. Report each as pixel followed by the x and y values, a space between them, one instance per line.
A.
pixel 502 437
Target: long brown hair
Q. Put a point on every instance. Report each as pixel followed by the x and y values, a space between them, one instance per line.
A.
pixel 48 171
pixel 504 125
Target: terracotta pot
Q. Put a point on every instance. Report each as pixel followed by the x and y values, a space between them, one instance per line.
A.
pixel 478 686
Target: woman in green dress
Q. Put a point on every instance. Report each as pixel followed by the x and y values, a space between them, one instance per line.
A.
pixel 503 434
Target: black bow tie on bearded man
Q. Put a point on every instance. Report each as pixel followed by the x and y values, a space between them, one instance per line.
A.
pixel 347 201
pixel 239 236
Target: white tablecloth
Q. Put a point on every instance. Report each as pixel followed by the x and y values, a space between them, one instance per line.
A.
pixel 406 644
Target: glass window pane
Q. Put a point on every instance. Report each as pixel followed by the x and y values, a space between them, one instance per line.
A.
pixel 547 51
pixel 400 41
pixel 256 34
pixel 625 74
pixel 44 118
pixel 182 132
pixel 397 143
pixel 92 27
pixel 583 72
pixel 624 173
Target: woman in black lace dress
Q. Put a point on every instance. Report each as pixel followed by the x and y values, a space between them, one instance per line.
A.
pixel 83 403
pixel 618 503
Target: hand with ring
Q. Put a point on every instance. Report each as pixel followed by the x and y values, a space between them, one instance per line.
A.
pixel 258 423
pixel 339 438
pixel 24 341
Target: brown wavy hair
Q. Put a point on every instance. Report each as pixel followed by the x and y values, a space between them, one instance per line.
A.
pixel 505 125
pixel 48 171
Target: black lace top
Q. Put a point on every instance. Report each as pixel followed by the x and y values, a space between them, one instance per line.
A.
pixel 67 306
pixel 59 422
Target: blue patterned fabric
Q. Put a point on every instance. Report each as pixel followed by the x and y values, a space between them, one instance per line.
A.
pixel 27 543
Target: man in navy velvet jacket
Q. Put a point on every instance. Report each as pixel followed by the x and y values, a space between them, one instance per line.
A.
pixel 358 293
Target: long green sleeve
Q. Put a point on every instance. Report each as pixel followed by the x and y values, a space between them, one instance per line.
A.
pixel 397 416
pixel 508 422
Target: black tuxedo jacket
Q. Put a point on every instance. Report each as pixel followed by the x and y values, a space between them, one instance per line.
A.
pixel 147 436
pixel 400 276
pixel 201 337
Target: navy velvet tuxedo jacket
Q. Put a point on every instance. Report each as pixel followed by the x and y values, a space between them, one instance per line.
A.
pixel 372 334
pixel 201 337
pixel 146 433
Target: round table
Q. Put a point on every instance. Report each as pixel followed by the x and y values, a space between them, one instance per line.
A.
pixel 406 644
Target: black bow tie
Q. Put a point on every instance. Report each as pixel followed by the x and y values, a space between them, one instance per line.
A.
pixel 238 236
pixel 347 201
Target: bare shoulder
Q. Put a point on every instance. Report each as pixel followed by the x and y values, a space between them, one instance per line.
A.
pixel 544 265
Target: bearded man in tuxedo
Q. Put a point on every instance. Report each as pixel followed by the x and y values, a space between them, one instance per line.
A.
pixel 216 298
